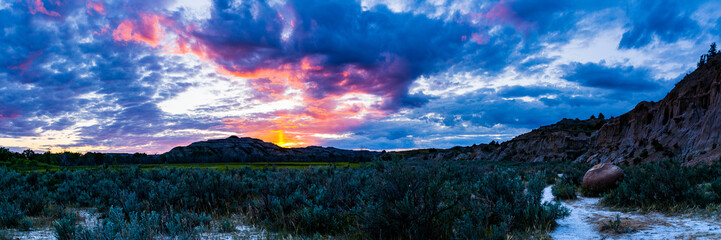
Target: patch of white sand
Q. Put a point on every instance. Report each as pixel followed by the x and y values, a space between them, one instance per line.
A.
pixel 241 232
pixel 35 234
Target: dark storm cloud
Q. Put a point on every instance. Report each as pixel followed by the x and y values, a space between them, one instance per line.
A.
pixel 666 20
pixel 382 51
pixel 526 91
pixel 620 78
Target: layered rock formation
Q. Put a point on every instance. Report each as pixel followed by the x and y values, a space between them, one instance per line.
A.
pixel 235 149
pixel 685 125
pixel 565 140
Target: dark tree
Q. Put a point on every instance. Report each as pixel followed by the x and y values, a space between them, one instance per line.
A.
pixel 28 154
pixel 712 51
pixel 701 61
pixel 600 116
pixel 5 154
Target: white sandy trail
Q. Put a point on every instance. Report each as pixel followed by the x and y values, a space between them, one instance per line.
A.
pixel 579 225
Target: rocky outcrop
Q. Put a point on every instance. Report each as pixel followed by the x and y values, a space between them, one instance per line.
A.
pixel 602 177
pixel 565 140
pixel 685 125
pixel 235 149
pixel 458 153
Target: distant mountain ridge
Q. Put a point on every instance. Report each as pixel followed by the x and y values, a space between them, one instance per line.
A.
pixel 235 149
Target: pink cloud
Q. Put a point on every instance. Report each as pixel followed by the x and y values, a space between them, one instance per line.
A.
pixel 37 6
pixel 97 6
pixel 147 29
pixel 23 66
pixel 500 13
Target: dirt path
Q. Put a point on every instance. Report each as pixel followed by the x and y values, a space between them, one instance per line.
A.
pixel 585 211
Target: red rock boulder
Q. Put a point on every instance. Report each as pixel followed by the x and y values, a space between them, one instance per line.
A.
pixel 602 177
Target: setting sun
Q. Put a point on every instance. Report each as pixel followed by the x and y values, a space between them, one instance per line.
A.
pixel 280 141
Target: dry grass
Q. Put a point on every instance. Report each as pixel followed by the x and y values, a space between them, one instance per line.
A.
pixel 618 225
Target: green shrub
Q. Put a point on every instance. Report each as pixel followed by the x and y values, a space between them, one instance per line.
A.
pixel 25 224
pixel 661 185
pixel 121 225
pixel 5 235
pixel 82 233
pixel 574 174
pixel 412 202
pixel 564 190
pixel 226 226
pixel 421 200
pixel 502 203
pixel 716 190
pixel 65 228
pixel 10 215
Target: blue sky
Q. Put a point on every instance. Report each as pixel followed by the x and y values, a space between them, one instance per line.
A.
pixel 129 76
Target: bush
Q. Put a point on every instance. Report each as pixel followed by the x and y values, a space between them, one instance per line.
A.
pixel 412 202
pixel 502 203
pixel 573 172
pixel 133 225
pixel 564 190
pixel 662 185
pixel 25 224
pixel 10 215
pixel 426 199
pixel 65 228
pixel 716 190
pixel 4 235
pixel 184 224
pixel 226 226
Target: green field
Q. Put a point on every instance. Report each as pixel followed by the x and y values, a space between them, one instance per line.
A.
pixel 42 167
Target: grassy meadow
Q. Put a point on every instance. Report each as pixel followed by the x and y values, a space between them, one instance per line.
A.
pixel 398 199
pixel 378 200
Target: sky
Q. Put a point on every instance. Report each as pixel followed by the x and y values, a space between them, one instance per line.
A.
pixel 145 76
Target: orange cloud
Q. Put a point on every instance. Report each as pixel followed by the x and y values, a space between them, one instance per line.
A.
pixel 307 64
